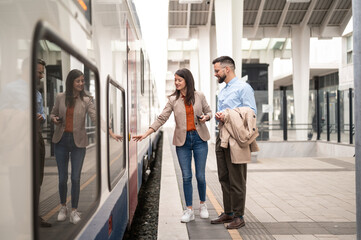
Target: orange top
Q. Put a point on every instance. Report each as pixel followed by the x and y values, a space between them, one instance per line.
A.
pixel 190 117
pixel 69 119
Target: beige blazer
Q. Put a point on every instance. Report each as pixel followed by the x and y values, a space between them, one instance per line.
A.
pixel 239 132
pixel 177 106
pixel 81 108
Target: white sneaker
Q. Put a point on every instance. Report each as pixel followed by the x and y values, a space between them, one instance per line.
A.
pixel 203 212
pixel 188 215
pixel 62 213
pixel 74 216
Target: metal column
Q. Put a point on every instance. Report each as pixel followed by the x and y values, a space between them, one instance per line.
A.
pixel 284 113
pixel 338 116
pixel 356 14
pixel 318 111
pixel 351 114
pixel 328 127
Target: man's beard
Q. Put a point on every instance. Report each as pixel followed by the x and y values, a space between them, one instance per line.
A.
pixel 221 79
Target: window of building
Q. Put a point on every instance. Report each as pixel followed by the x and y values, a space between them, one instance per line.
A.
pixel 349 49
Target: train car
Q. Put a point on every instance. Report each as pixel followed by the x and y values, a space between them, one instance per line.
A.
pixel 103 40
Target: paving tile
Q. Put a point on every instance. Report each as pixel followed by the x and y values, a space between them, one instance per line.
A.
pixel 346 237
pixel 284 237
pixel 305 237
pixel 326 237
pixel 340 228
pixel 280 228
pixel 306 225
pixel 312 230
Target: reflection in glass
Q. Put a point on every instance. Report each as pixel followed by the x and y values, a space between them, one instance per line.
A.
pixel 263 122
pixel 312 117
pixel 76 171
pixel 332 115
pixel 116 134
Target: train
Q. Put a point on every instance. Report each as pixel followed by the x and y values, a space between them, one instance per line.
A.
pixel 102 39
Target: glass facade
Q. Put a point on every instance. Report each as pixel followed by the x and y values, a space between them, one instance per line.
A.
pixel 330 116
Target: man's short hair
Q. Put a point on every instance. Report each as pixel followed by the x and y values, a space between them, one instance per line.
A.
pixel 41 61
pixel 225 61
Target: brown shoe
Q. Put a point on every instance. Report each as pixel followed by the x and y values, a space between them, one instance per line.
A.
pixel 236 223
pixel 223 218
pixel 44 223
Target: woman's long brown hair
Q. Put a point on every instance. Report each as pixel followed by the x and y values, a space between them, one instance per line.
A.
pixel 69 97
pixel 188 77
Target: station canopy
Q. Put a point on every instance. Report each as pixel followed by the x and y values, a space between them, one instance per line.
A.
pixel 266 18
pixel 267 25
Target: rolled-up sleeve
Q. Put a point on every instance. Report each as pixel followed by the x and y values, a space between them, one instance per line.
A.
pixel 163 117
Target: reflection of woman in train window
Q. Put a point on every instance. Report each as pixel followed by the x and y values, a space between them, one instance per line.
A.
pixel 71 139
pixel 191 111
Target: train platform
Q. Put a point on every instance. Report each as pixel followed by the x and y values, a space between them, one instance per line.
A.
pixel 304 198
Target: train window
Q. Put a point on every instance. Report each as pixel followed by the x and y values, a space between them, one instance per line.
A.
pixel 65 138
pixel 116 139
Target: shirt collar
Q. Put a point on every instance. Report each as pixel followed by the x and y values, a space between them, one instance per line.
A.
pixel 232 81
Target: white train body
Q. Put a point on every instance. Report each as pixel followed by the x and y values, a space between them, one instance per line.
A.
pixel 102 38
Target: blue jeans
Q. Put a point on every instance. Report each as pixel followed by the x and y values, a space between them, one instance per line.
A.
pixel 63 149
pixel 200 150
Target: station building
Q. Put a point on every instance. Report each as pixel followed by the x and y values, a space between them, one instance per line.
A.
pixel 296 54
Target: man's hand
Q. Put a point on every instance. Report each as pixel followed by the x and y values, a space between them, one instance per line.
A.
pixel 220 116
pixel 39 117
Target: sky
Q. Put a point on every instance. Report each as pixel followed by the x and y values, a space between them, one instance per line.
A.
pixel 153 18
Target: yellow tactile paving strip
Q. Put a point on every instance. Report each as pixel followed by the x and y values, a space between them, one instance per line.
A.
pixel 233 232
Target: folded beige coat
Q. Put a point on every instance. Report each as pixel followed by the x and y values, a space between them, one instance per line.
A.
pixel 239 131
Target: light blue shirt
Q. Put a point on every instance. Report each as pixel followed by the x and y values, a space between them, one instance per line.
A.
pixel 39 105
pixel 236 94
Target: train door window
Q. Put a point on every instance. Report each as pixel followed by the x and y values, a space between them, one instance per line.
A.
pixel 116 142
pixel 65 93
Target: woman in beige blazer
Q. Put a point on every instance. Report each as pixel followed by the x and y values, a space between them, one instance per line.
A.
pixel 191 111
pixel 70 138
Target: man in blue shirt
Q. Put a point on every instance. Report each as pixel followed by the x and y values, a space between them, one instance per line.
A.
pixel 231 176
pixel 40 119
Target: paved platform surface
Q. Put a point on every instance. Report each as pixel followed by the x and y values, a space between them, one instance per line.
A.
pixel 287 198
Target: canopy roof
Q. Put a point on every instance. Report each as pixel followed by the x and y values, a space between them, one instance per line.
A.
pixel 269 18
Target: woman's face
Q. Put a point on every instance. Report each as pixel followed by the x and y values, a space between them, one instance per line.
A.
pixel 78 84
pixel 180 83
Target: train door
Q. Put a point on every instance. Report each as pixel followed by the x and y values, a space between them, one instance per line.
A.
pixel 84 190
pixel 132 116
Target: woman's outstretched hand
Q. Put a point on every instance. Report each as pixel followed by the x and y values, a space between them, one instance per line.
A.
pixel 117 137
pixel 139 138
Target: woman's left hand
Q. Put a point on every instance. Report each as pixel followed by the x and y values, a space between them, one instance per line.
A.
pixel 203 118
